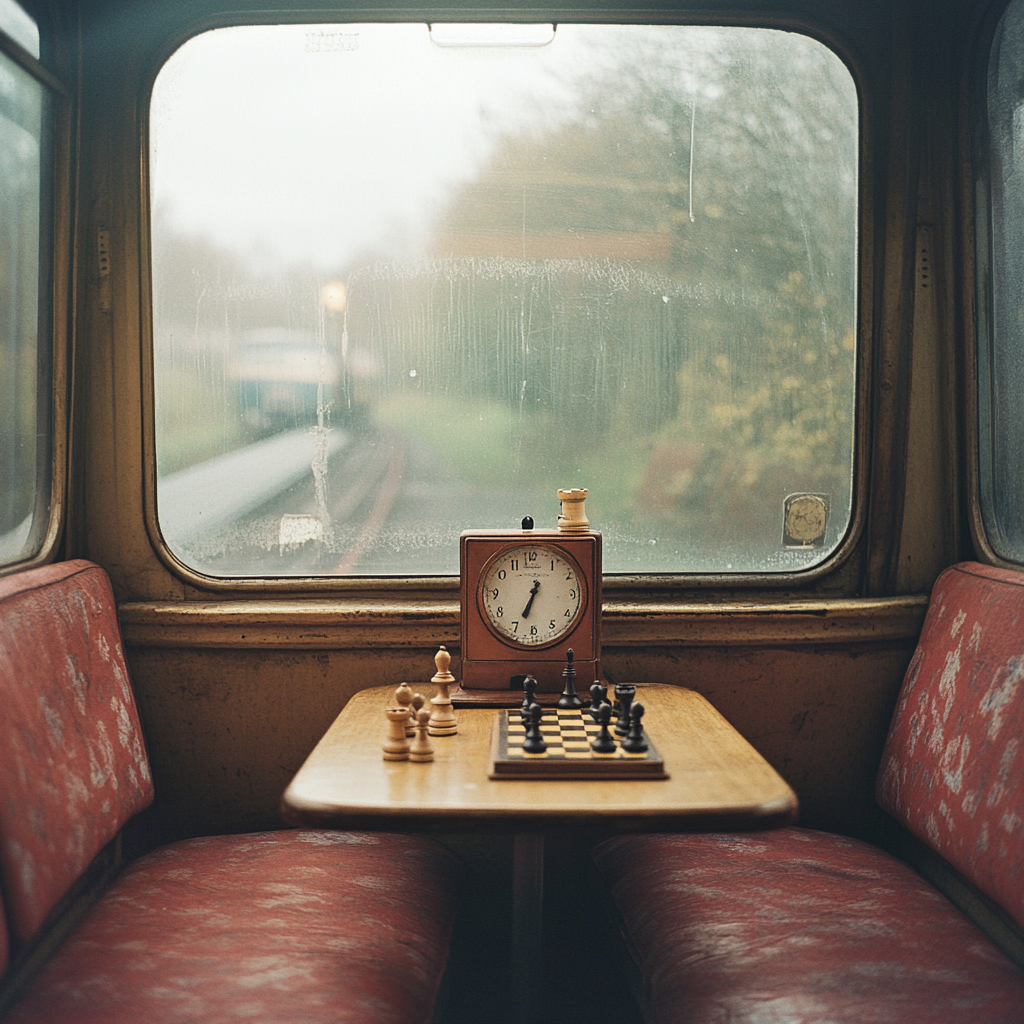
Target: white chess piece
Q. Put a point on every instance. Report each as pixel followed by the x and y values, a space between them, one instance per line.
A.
pixel 442 718
pixel 420 748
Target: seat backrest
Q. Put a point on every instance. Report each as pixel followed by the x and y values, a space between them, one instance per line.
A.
pixel 73 766
pixel 952 770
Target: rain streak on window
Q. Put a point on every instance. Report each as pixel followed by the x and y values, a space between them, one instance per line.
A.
pixel 411 282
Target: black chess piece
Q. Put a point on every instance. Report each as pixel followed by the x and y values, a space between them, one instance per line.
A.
pixel 624 694
pixel 529 689
pixel 570 698
pixel 533 741
pixel 598 693
pixel 635 741
pixel 604 741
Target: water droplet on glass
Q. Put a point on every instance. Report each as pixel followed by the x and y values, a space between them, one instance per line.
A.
pixel 412 373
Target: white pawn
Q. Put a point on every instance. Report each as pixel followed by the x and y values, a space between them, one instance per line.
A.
pixel 420 748
pixel 442 719
pixel 418 700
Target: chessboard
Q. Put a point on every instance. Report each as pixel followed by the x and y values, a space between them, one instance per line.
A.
pixel 568 755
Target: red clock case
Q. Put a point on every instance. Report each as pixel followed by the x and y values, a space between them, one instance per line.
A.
pixel 490 664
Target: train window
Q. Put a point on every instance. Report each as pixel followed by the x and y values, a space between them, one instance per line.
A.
pixel 20 26
pixel 26 346
pixel 1001 284
pixel 410 278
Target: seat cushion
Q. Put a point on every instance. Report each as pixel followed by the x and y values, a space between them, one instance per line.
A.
pixel 291 926
pixel 798 926
pixel 952 770
pixel 73 766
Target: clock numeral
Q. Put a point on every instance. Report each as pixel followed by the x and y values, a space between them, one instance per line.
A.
pixel 515 626
pixel 551 624
pixel 494 594
pixel 501 574
pixel 552 565
pixel 499 611
pixel 568 614
pixel 568 575
pixel 531 556
pixel 572 595
pixel 514 565
pixel 533 631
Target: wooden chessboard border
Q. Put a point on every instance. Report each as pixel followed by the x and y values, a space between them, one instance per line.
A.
pixel 556 766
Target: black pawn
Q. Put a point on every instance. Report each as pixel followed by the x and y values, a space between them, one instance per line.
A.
pixel 597 698
pixel 533 741
pixel 570 698
pixel 624 694
pixel 604 741
pixel 635 741
pixel 529 688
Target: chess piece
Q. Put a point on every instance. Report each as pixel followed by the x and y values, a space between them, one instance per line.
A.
pixel 533 741
pixel 598 693
pixel 624 693
pixel 442 718
pixel 403 699
pixel 569 699
pixel 603 742
pixel 529 689
pixel 418 700
pixel 420 748
pixel 396 746
pixel 635 741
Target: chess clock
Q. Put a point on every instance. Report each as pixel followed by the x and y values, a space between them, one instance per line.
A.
pixel 528 597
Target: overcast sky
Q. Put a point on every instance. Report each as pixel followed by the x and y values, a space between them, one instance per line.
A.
pixel 308 143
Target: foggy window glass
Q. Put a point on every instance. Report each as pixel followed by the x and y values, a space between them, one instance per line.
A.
pixel 19 25
pixel 1000 329
pixel 25 343
pixel 409 282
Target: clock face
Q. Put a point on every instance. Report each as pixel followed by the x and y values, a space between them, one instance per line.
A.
pixel 531 595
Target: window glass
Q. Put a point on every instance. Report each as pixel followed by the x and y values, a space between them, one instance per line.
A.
pixel 408 282
pixel 1001 330
pixel 20 26
pixel 25 343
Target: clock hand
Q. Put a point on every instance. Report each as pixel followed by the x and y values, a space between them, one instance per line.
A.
pixel 533 594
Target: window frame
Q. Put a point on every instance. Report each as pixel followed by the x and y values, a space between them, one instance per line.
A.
pixel 980 270
pixel 626 586
pixel 55 339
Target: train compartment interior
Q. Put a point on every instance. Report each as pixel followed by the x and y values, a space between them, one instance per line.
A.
pixel 294 296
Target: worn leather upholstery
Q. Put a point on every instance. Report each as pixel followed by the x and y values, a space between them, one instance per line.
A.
pixel 291 927
pixel 952 770
pixel 805 927
pixel 794 926
pixel 73 767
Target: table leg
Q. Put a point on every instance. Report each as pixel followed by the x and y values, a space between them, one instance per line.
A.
pixel 527 922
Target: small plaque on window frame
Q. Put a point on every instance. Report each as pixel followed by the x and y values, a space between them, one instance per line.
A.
pixel 804 519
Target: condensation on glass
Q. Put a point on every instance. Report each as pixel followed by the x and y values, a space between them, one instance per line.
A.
pixel 20 26
pixel 406 283
pixel 1000 220
pixel 26 346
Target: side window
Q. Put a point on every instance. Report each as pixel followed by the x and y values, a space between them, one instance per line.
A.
pixel 410 279
pixel 26 341
pixel 1000 220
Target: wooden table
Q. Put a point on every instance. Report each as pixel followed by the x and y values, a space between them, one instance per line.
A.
pixel 717 780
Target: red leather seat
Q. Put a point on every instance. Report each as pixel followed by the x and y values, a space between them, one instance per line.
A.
pixel 805 927
pixel 290 926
